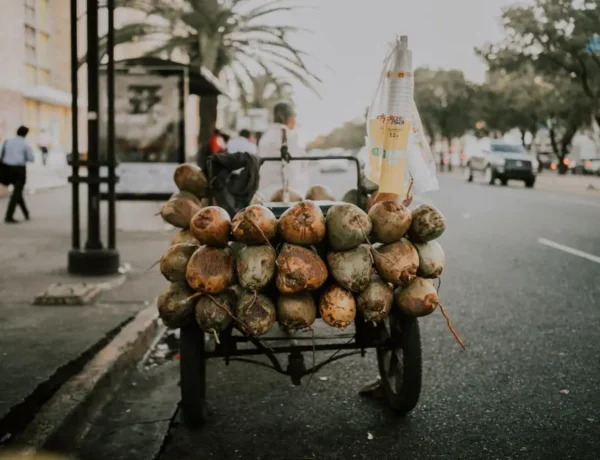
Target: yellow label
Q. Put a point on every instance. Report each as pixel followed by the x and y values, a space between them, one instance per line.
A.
pixel 377 132
pixel 396 136
pixel 392 177
pixel 375 164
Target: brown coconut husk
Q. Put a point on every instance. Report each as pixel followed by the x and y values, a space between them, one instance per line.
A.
pixel 211 226
pixel 303 224
pixel 210 270
pixel 255 224
pixel 299 269
pixel 190 178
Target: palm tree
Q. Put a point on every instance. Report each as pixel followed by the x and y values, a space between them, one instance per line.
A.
pixel 231 38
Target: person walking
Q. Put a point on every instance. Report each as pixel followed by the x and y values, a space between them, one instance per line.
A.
pixel 282 132
pixel 44 143
pixel 16 153
pixel 242 143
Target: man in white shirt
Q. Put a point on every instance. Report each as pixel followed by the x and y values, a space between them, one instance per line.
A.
pixel 242 143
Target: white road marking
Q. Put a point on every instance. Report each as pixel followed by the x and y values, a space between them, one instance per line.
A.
pixel 575 252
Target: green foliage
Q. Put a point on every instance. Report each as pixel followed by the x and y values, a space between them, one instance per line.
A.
pixel 351 136
pixel 446 101
pixel 552 37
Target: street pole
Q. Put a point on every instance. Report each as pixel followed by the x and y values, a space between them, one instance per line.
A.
pixel 110 156
pixel 93 62
pixel 94 259
pixel 75 229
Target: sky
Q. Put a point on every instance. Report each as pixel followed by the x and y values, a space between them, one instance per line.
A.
pixel 349 39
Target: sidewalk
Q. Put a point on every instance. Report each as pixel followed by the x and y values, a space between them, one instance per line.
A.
pixel 42 346
pixel 40 177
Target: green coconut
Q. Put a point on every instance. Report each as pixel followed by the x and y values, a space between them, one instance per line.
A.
pixel 419 298
pixel 431 259
pixel 183 236
pixel 427 224
pixel 213 313
pixel 175 308
pixel 173 263
pixel 190 178
pixel 351 269
pixel 347 226
pixel 255 266
pixel 255 313
pixel 375 302
pixel 296 311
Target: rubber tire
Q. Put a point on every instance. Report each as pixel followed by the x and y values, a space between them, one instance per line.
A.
pixel 504 182
pixel 470 176
pixel 409 340
pixel 529 183
pixel 492 180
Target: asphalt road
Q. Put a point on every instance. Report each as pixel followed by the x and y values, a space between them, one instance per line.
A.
pixel 528 385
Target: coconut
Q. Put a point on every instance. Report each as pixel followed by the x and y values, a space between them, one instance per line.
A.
pixel 210 270
pixel 337 307
pixel 213 314
pixel 183 236
pixel 397 263
pixel 175 307
pixel 351 269
pixel 390 221
pixel 351 196
pixel 181 195
pixel 173 263
pixel 375 302
pixel 296 311
pixel 277 196
pixel 190 178
pixel 299 269
pixel 255 266
pixel 255 224
pixel 419 298
pixel 179 211
pixel 347 226
pixel 319 193
pixel 431 259
pixel 303 223
pixel 255 312
pixel 211 226
pixel 427 224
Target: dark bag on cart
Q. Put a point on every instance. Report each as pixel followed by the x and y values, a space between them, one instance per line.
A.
pixel 234 180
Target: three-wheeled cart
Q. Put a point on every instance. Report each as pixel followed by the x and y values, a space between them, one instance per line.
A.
pixel 396 342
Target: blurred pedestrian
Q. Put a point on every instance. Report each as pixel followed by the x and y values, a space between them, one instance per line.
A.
pixel 282 132
pixel 44 143
pixel 16 153
pixel 242 143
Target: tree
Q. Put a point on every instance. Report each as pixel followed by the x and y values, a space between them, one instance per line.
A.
pixel 510 100
pixel 446 102
pixel 567 110
pixel 552 36
pixel 350 136
pixel 232 38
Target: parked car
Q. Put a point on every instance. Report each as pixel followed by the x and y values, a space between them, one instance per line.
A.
pixel 500 160
pixel 591 166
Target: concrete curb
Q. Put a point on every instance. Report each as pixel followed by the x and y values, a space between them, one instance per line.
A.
pixel 64 418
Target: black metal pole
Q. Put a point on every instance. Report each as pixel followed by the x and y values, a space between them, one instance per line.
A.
pixel 110 157
pixel 93 241
pixel 75 230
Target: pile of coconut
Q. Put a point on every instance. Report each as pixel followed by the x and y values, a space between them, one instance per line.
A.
pixel 254 270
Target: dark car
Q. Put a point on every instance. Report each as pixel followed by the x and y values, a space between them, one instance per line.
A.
pixel 503 161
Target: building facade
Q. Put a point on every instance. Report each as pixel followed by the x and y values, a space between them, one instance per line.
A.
pixel 35 76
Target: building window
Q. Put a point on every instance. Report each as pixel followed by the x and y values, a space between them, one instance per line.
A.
pixel 43 49
pixel 44 77
pixel 31 74
pixel 30 11
pixel 43 8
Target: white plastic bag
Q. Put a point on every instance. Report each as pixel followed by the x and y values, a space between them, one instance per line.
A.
pixel 398 149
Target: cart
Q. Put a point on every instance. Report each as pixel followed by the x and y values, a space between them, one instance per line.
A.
pixel 396 342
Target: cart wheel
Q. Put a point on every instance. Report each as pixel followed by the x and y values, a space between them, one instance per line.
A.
pixel 192 366
pixel 399 361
